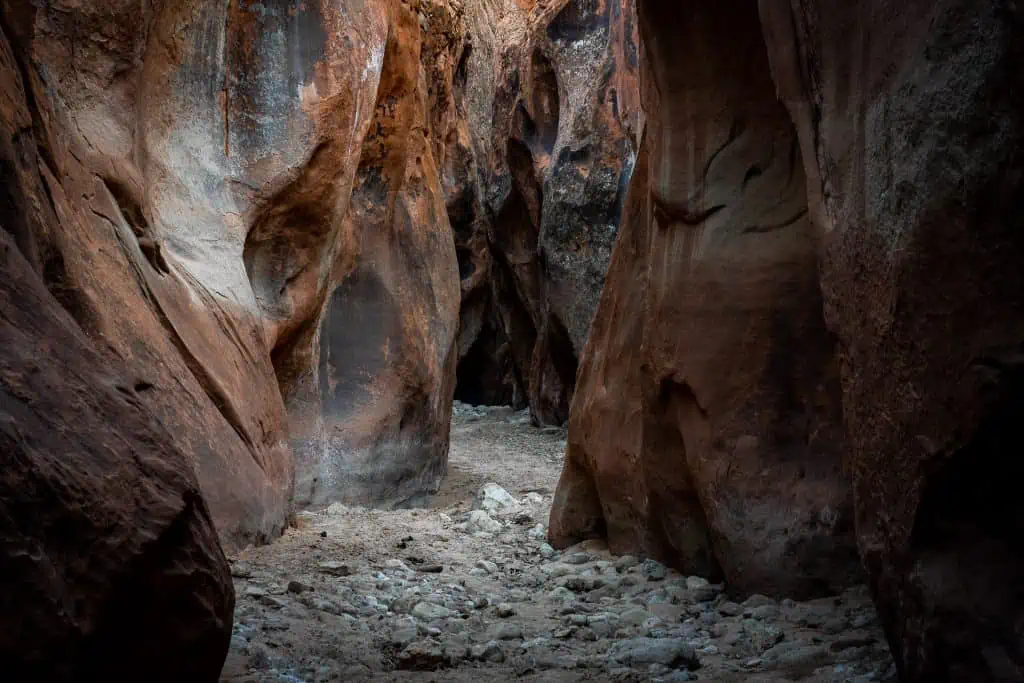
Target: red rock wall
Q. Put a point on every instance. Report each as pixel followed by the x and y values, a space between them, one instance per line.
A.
pixel 710 371
pixel 745 320
pixel 260 234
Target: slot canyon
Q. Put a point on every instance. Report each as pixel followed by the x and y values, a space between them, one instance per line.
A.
pixel 542 340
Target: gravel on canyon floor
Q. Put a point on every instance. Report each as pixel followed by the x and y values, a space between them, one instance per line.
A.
pixel 468 590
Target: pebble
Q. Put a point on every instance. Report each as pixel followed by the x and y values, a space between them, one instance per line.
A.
pixel 672 652
pixel 505 630
pixel 504 610
pixel 488 652
pixel 652 570
pixel 430 611
pixel 481 522
pixel 335 568
pixel 495 501
pixel 487 566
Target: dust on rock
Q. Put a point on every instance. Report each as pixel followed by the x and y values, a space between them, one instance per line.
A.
pixel 468 589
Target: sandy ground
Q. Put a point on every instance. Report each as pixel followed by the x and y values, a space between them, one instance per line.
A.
pixel 446 593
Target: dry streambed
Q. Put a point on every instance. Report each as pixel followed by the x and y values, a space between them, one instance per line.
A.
pixel 469 590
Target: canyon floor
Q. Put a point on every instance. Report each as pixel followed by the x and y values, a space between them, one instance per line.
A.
pixel 467 589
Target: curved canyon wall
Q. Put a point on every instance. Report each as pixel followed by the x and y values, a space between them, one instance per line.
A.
pixel 706 427
pixel 229 286
pixel 812 325
pixel 549 97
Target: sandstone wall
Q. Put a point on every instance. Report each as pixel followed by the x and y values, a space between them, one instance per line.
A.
pixel 774 371
pixel 110 563
pixel 550 98
pixel 253 224
pixel 706 429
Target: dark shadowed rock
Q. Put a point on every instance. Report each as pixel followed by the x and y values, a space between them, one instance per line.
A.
pixel 551 102
pixel 109 562
pixel 912 121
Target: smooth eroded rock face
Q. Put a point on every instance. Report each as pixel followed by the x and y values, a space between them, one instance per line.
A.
pixel 706 428
pixel 551 99
pixel 912 122
pixel 260 234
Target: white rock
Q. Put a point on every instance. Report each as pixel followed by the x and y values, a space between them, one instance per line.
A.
pixel 481 521
pixel 487 566
pixel 336 509
pixel 496 501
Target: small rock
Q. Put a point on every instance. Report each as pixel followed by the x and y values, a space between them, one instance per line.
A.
pixel 762 635
pixel 487 566
pixel 673 652
pixel 496 501
pixel 654 571
pixel 546 551
pixel 488 652
pixel 241 570
pixel 635 616
pixel 834 627
pixel 730 609
pixel 401 637
pixel 700 589
pixel 764 612
pixel 480 521
pixel 255 592
pixel 430 568
pixel 505 630
pixel 421 655
pixel 624 563
pixel 523 518
pixel 429 611
pixel 298 587
pixel 335 568
pixel 537 532
pixel 504 610
pixel 577 558
pixel 336 510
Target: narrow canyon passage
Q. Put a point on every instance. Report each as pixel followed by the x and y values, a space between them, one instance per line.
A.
pixel 467 589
